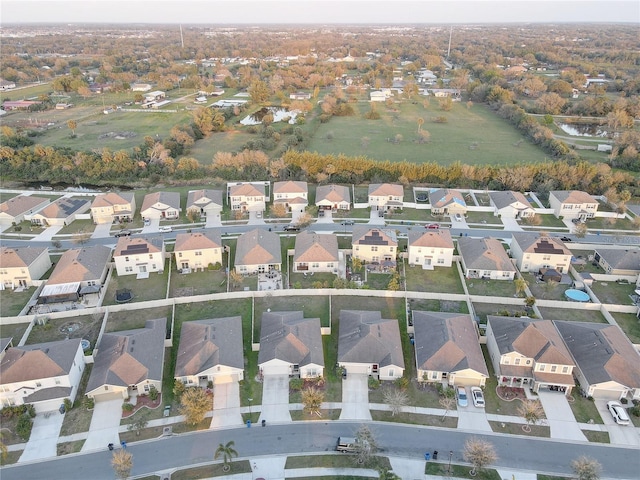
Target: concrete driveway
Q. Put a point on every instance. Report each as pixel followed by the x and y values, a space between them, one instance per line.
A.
pixel 213 220
pixel 102 230
pixel 355 397
pixel 275 399
pixel 226 405
pixel 48 233
pixel 618 434
pixel 44 437
pixel 153 227
pixel 511 224
pixel 104 425
pixel 375 218
pixel 473 418
pixel 560 417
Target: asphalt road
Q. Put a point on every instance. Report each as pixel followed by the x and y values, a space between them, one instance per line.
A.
pixel 539 455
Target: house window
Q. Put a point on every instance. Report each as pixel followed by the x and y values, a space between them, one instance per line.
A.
pixel 128 269
pixel 434 375
pixel 374 248
pixel 528 362
pixel 392 372
pixel 57 380
pixel 179 254
pixel 441 260
pixel 554 368
pixel 517 361
pixel 329 265
pixel 565 369
pixel 151 256
pixel 542 367
pixel 315 265
pixel 126 259
pixel 198 254
pixel 146 388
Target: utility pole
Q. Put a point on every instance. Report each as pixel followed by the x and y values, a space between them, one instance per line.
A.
pixel 450 33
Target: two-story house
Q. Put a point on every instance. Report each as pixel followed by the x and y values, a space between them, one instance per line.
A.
pixel 386 196
pixel 20 266
pixel 196 251
pixel 375 246
pixel 247 197
pixel 292 194
pixel 573 204
pixel 315 252
pixel 533 251
pixel 529 353
pixel 139 256
pixel 161 205
pixel 333 197
pixel 113 207
pixel 511 204
pixel 205 203
pixel 258 251
pixel 431 248
pixel 485 258
pixel 41 374
pixel 445 201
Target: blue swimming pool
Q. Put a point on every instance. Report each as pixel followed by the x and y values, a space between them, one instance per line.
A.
pixel 576 295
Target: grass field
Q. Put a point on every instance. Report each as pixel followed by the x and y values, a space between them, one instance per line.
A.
pixel 472 136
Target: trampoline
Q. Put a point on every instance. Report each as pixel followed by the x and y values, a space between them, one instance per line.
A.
pixel 576 295
pixel 123 296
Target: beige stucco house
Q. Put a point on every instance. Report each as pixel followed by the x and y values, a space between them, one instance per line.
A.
pixel 447 349
pixel 315 252
pixel 572 204
pixel 61 212
pixel 19 267
pixel 616 261
pixel 293 195
pixel 258 251
pixel 430 248
pixel 377 246
pixel 247 197
pixel 445 201
pixel 18 209
pixel 113 207
pixel 485 258
pixel 161 205
pixel 511 204
pixel 196 251
pixel 386 196
pixel 533 251
pixel 205 203
pixel 139 256
pixel 333 197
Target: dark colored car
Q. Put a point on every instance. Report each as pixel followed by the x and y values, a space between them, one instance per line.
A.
pixel 565 239
pixel 348 222
pixel 123 233
pixel 291 228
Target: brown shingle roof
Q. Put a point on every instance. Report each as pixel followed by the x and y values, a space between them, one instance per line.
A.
pixel 64 207
pixel 484 254
pixel 537 243
pixel 314 247
pixel 365 235
pixel 19 257
pixel 136 245
pixel 247 190
pixel 333 193
pixel 170 199
pixel 290 337
pixel 442 197
pixel 431 238
pixel 386 189
pixel 202 198
pixel 37 361
pixel 112 198
pixel 290 186
pixel 21 204
pixel 80 265
pixel 258 247
pixel 198 241
pixel 573 196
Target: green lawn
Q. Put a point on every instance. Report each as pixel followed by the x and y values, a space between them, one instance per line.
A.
pixel 144 289
pixel 441 470
pixel 583 409
pixel 130 319
pixel 613 293
pixel 484 309
pixel 311 306
pixel 472 135
pixel 439 280
pixel 491 288
pixel 12 303
pixel 630 324
pixel 85 326
pixel 483 218
pixel 438 305
pixel 516 429
pixel 571 314
pixel 198 283
pixel 14 330
pixel 545 290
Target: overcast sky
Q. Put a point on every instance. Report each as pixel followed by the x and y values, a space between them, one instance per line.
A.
pixel 317 11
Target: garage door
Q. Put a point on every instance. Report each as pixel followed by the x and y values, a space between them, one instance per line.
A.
pixel 467 381
pixel 362 369
pixel 605 394
pixel 105 397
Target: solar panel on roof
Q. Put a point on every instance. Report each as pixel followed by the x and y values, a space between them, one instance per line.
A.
pixel 136 248
pixel 545 246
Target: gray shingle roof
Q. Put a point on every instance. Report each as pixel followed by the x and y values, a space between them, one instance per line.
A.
pixel 484 254
pixel 504 199
pixel 290 337
pixel 258 247
pixel 333 193
pixel 208 343
pixel 19 257
pixel 80 264
pixel 40 360
pixel 366 337
pixel 314 247
pixel 618 259
pixel 203 198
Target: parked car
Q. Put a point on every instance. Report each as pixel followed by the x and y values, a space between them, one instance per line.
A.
pixel 258 214
pixel 147 222
pixel 346 445
pixel 432 226
pixel 291 228
pixel 461 395
pixel 458 217
pixel 122 233
pixel 477 396
pixel 348 222
pixel 166 229
pixel 618 412
pixel 565 239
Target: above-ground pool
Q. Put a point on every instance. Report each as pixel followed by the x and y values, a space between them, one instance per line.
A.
pixel 576 295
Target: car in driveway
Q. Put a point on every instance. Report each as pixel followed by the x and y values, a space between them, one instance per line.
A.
pixel 165 229
pixel 461 395
pixel 458 217
pixel 477 396
pixel 618 412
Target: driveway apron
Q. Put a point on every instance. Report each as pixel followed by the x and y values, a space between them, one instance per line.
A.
pixel 618 434
pixel 104 425
pixel 44 437
pixel 226 405
pixel 355 397
pixel 275 399
pixel 560 417
pixel 102 230
pixel 472 418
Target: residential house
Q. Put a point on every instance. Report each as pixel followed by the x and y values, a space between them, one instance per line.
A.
pixel 210 351
pixel 247 197
pixel 607 363
pixel 573 204
pixel 370 345
pixel 20 266
pixel 445 201
pixel 258 251
pixel 6 84
pixel 290 345
pixel 315 252
pixel 161 205
pixel 140 87
pixel 447 349
pixel 18 209
pixel 61 212
pixel 205 203
pixel 42 374
pixel 333 197
pixel 113 207
pixel 533 251
pixel 511 204
pixel 618 261
pixel 385 196
pixel 79 272
pixel 529 353
pixel 378 96
pixel 431 248
pixel 292 194
pixel 196 251
pixel 129 362
pixel 485 258
pixel 139 256
pixel 9 105
pixel 377 246
pixel 300 96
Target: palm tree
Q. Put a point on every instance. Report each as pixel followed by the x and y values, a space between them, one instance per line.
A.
pixel 227 452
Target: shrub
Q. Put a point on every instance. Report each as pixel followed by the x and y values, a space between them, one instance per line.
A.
pixel 30 410
pixel 374 383
pixel 68 404
pixel 23 427
pixel 624 401
pixel 127 407
pixel 635 411
pixel 402 383
pixel 88 403
pixel 178 388
pixel 296 384
pixel 153 393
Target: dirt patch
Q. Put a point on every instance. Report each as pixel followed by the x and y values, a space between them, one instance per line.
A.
pixel 143 401
pixel 117 135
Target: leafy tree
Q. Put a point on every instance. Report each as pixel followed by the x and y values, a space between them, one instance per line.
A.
pixel 396 399
pixel 72 124
pixel 521 285
pixel 258 91
pixel 447 403
pixel 24 426
pixel 305 220
pixel 586 468
pixel 479 453
pixel 580 230
pixel 194 405
pixel 312 399
pixel 279 210
pixel 235 278
pixel 532 412
pixel 227 452
pixel 140 422
pixel 122 463
pixel 365 445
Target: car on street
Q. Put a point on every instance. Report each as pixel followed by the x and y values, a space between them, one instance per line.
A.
pixel 565 239
pixel 122 233
pixel 477 396
pixel 292 228
pixel 432 226
pixel 165 229
pixel 348 222
pixel 618 412
pixel 461 395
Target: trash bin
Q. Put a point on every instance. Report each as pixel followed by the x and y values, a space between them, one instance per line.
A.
pixel 264 423
pixel 248 423
pixel 435 454
pixel 427 456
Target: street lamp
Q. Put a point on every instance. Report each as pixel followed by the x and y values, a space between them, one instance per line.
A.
pixel 450 456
